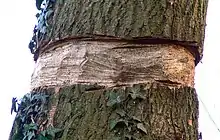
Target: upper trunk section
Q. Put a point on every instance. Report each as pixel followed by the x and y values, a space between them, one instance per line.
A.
pixel 182 20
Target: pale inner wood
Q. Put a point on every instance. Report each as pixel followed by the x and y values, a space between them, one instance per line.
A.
pixel 113 64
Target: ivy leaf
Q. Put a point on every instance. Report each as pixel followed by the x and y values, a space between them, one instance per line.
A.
pixel 41 137
pixel 135 89
pixel 111 103
pixel 43 98
pixel 141 127
pixel 25 137
pixel 43 30
pixel 47 25
pixel 112 124
pixel 13 106
pixel 23 118
pixel 38 4
pixel 41 22
pixel 26 128
pixel 133 96
pixel 120 122
pixel 30 135
pixel 17 136
pixel 32 126
pixel 114 99
pixel 26 109
pixel 31 46
pixel 48 14
pixel 56 130
pixel 53 131
pixel 43 133
pixel 37 108
pixel 37 15
pixel 135 92
pixel 38 97
pixel 30 111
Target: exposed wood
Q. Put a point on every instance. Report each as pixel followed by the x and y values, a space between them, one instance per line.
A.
pixel 190 46
pixel 113 63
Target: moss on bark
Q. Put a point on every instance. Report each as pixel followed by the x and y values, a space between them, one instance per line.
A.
pixel 98 113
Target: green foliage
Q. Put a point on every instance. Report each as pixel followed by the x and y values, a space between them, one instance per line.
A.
pixel 112 124
pixel 114 98
pixel 44 15
pixel 141 127
pixel 13 106
pixel 120 122
pixel 38 4
pixel 45 8
pixel 31 115
pixel 136 92
pixel 125 125
pixel 48 134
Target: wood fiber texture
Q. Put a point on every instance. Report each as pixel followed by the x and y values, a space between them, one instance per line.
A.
pixel 157 112
pixel 112 64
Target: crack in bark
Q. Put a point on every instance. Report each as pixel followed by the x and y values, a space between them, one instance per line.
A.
pixel 168 82
pixel 171 117
pixel 191 46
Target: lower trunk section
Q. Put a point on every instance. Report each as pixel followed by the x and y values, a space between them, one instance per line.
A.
pixel 142 111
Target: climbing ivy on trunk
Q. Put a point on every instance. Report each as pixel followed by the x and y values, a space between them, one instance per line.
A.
pixel 31 121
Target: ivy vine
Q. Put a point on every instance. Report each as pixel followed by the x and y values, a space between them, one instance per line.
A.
pixel 31 121
pixel 45 8
pixel 126 125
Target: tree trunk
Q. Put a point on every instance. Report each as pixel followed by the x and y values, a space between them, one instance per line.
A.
pixel 122 69
pixel 141 112
pixel 181 20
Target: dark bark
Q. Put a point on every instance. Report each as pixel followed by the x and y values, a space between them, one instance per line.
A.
pixel 89 112
pixel 182 20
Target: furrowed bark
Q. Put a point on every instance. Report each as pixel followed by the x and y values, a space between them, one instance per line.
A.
pixel 182 20
pixel 142 111
pixel 84 112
